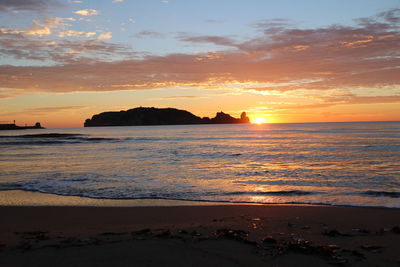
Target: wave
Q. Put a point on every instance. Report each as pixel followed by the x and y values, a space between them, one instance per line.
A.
pixel 275 193
pixel 177 197
pixel 75 138
pixel 65 186
pixel 51 139
pixel 50 135
pixel 45 135
pixel 284 196
pixel 11 186
pixel 372 193
pixel 71 138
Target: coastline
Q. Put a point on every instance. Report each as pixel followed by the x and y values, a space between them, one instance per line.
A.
pixel 16 197
pixel 218 234
pixel 38 199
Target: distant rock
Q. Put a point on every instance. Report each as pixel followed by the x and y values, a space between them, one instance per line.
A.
pixel 158 116
pixel 226 118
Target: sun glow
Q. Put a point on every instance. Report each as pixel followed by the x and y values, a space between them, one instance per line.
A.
pixel 259 120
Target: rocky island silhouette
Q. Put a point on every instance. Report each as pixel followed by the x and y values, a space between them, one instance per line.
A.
pixel 158 116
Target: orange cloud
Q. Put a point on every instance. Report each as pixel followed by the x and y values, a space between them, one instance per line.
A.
pixel 42 110
pixel 286 58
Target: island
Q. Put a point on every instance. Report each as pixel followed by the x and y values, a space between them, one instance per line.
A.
pixel 158 116
pixel 13 126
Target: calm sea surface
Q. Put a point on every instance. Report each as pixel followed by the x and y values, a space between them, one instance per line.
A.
pixel 316 163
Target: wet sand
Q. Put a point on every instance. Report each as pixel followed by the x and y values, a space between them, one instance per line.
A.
pixel 218 235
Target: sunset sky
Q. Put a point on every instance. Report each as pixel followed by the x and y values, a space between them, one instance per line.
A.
pixel 283 60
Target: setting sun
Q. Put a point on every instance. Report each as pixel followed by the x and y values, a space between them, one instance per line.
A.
pixel 259 120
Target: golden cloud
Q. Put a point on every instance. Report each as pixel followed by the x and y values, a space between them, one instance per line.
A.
pixel 87 12
pixel 105 36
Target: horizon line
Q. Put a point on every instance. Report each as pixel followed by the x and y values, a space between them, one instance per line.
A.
pixel 397 121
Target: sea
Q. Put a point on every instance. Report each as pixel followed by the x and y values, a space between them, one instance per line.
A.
pixel 351 164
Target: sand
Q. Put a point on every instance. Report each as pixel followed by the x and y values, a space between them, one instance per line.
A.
pixel 208 235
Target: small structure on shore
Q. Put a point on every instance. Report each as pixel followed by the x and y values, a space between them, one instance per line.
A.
pixel 13 126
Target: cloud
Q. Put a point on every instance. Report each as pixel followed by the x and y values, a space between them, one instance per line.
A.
pixel 31 43
pixel 87 12
pixel 150 34
pixel 9 93
pixel 391 15
pixel 351 99
pixel 28 5
pixel 105 36
pixel 74 33
pixel 41 28
pixel 182 97
pixel 217 40
pixel 21 46
pixel 270 26
pixel 214 21
pixel 280 60
pixel 118 1
pixel 43 110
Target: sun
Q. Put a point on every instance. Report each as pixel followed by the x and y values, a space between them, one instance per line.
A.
pixel 259 120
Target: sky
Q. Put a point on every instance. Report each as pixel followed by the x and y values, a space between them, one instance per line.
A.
pixel 283 61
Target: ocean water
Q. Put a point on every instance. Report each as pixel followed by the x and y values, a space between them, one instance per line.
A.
pixel 354 164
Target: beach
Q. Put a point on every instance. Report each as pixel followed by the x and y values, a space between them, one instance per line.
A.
pixel 197 235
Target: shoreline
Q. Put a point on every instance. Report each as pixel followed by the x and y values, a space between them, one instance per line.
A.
pixel 216 235
pixel 21 198
pixel 39 199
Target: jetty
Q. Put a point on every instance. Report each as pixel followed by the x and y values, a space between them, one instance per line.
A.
pixel 13 126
